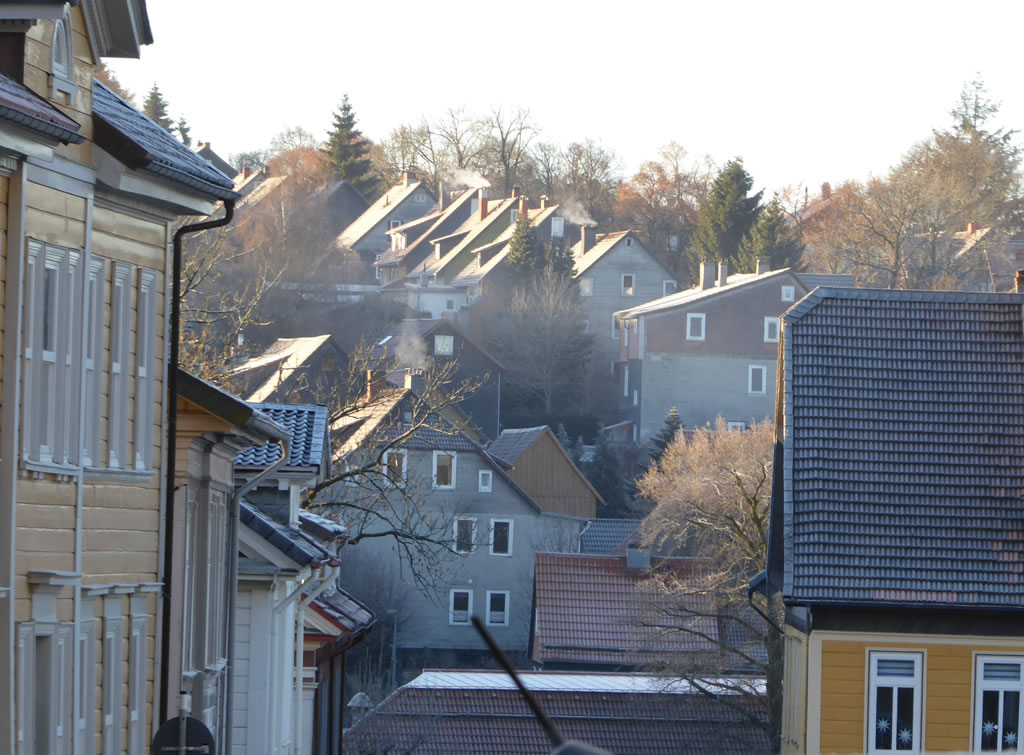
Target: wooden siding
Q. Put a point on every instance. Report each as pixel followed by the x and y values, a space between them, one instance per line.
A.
pixel 552 480
pixel 948 704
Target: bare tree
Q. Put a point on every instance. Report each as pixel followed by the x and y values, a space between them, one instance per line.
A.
pixel 464 136
pixel 399 152
pixel 591 174
pixel 549 167
pixel 509 135
pixel 711 492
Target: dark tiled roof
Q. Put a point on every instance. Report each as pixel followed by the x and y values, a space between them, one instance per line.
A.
pixel 345 611
pixel 588 610
pixel 452 719
pixel 152 148
pixel 285 539
pixel 308 428
pixel 602 536
pixel 22 106
pixel 813 280
pixel 401 336
pixel 321 527
pixel 903 449
pixel 512 444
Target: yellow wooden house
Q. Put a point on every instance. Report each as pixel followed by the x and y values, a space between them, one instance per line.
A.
pixel 897 525
pixel 89 189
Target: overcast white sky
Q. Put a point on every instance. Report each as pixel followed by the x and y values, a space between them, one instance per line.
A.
pixel 805 92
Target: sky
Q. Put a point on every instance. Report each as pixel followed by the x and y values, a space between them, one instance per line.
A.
pixel 804 92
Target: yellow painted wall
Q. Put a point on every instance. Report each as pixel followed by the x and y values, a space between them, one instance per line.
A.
pixel 948 673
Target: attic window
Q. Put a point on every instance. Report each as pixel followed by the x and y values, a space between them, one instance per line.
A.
pixel 384 340
pixel 788 293
pixel 629 241
pixel 62 60
pixel 392 224
pixel 419 197
pixel 668 287
pixel 444 345
pixel 557 228
pixel 514 217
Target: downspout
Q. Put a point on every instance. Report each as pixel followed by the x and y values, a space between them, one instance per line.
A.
pixel 234 517
pixel 172 433
pixel 332 575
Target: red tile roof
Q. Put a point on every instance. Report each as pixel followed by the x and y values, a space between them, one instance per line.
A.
pixel 589 610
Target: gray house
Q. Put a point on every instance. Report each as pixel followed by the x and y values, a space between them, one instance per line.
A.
pixel 709 351
pixel 427 475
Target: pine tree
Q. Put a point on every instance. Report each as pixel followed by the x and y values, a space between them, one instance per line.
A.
pixel 523 257
pixel 563 438
pixel 155 108
pixel 347 150
pixel 727 217
pixel 559 259
pixel 184 132
pixel 673 424
pixel 771 237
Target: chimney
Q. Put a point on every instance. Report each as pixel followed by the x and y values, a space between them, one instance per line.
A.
pixel 516 191
pixel 764 265
pixel 707 275
pixel 586 238
pixel 970 229
pixel 723 273
pixel 440 196
pixel 408 178
pixel 1018 282
pixel 376 380
pixel 414 380
pixel 543 201
pixel 482 202
pixel 524 207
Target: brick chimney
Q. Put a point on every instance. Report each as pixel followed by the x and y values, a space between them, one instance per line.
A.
pixel 482 203
pixel 524 208
pixel 1018 282
pixel 970 229
pixel 414 380
pixel 543 201
pixel 764 265
pixel 707 275
pixel 723 273
pixel 408 178
pixel 376 380
pixel 516 191
pixel 587 238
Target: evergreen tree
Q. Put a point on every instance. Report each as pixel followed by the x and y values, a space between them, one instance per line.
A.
pixel 605 474
pixel 727 217
pixel 773 237
pixel 559 259
pixel 184 132
pixel 155 108
pixel 347 150
pixel 563 438
pixel 524 258
pixel 673 424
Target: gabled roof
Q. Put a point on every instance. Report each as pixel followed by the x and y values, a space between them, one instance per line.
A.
pixel 379 210
pixel 601 537
pixel 286 355
pixel 288 541
pixel 472 227
pixel 307 425
pixel 826 280
pixel 344 612
pixel 141 144
pixel 514 442
pixel 588 610
pixel 402 334
pixel 692 295
pixel 474 272
pixel 603 244
pixel 231 409
pixel 22 106
pixel 903 450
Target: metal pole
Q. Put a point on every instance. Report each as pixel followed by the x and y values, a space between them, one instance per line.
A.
pixel 393 613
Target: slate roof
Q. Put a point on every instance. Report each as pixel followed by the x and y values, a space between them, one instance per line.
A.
pixel 481 712
pixel 288 355
pixel 471 227
pixel 405 333
pixel 379 210
pixel 22 106
pixel 588 610
pixel 321 527
pixel 602 536
pixel 514 442
pixel 438 219
pixel 692 295
pixel 307 426
pixel 828 280
pixel 143 144
pixel 344 611
pixel 285 539
pixel 473 272
pixel 903 449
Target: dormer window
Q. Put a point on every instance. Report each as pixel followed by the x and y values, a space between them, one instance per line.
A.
pixel 62 60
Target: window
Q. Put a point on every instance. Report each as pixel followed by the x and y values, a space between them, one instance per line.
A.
pixel 586 286
pixel 557 228
pixel 669 287
pixel 636 397
pixel 788 293
pixel 449 304
pixel 771 330
pixel 694 327
pixel 739 426
pixel 501 537
pixel 465 535
pixel 62 60
pixel 485 481
pixel 394 464
pixel 120 326
pixel 756 379
pixel 444 345
pixel 997 705
pixel 376 268
pixel 328 364
pixel 627 285
pixel 137 687
pixel 112 681
pixel 514 216
pixel 497 607
pixel 392 224
pixel 615 329
pixel 625 380
pixel 95 295
pixel 460 607
pixel 894 716
pixel 629 241
pixel 419 197
pixel 673 242
pixel 626 327
pixel 145 373
pixel 444 470
pixel 24 700
pixel 86 715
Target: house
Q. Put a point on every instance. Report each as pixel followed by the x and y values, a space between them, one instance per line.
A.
pixel 896 521
pixel 709 351
pixel 538 464
pixel 367 235
pixel 293 370
pixel 89 190
pixel 205 151
pixel 602 537
pixel 441 346
pixel 483 711
pixel 424 476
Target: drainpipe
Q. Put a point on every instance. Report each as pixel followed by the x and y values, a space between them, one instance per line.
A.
pixel 172 432
pixel 328 580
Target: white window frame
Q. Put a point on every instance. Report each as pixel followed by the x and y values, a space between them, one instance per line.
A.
pixel 92 354
pixel 673 242
pixel 636 397
pixel 982 685
pixel 741 426
pixel 25 689
pixel 386 461
pixel 444 345
pixel 145 368
pixel 875 680
pixel 113 631
pixel 788 293
pixel 455 534
pixel 615 327
pixel 511 526
pixel 769 322
pixel 557 227
pixel 695 317
pixel 86 715
pixel 485 481
pixel 631 291
pixel 137 686
pixel 62 58
pixel 626 327
pixel 436 454
pixel 666 284
pixel 625 379
pixel 419 197
pixel 393 224
pixel 751 369
pixel 513 216
pixel 487 608
pixel 120 329
pixel 451 607
pixel 586 286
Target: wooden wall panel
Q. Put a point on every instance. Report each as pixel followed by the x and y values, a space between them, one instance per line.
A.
pixel 549 478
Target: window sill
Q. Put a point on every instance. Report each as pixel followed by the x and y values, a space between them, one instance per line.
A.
pixel 502 555
pixel 106 474
pixel 63 472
